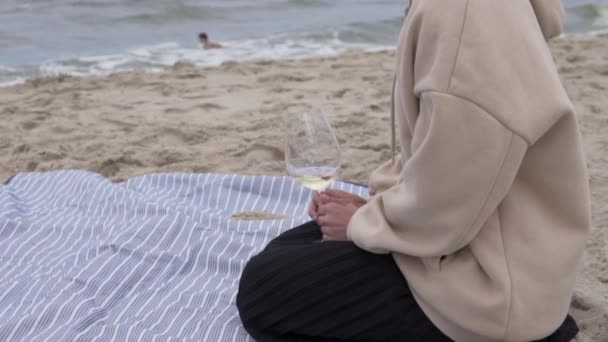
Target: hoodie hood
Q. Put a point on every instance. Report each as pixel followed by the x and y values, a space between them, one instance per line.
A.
pixel 551 16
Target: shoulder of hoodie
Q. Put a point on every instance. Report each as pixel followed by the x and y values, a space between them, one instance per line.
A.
pixel 485 37
pixel 447 21
pixel 455 12
pixel 487 23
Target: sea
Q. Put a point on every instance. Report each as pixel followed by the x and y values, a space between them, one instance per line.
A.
pixel 41 38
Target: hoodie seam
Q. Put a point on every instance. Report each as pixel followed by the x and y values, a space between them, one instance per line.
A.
pixel 512 136
pixel 487 112
pixel 464 21
pixel 504 248
pixel 487 196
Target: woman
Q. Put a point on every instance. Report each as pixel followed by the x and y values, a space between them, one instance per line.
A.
pixel 476 230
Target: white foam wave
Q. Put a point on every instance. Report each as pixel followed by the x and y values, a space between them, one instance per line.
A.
pixel 159 56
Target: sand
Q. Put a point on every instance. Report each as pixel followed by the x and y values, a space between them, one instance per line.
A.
pixel 257 216
pixel 228 119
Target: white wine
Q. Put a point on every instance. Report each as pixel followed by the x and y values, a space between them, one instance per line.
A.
pixel 312 156
pixel 313 177
pixel 315 182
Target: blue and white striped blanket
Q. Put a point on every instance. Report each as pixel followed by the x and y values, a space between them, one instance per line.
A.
pixel 155 258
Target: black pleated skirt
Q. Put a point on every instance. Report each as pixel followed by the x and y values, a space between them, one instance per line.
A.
pixel 300 289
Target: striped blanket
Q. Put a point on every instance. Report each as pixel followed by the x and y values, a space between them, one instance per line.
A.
pixel 155 258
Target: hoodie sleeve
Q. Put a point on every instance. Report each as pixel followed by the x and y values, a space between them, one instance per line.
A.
pixel 463 164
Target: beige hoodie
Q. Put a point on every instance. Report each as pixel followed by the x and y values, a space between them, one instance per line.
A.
pixel 486 209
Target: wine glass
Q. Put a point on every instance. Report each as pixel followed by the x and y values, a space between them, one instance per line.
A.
pixel 313 155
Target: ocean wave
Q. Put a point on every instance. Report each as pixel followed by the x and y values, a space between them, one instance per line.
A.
pixel 315 38
pixel 586 18
pixel 11 76
pixel 589 11
pixel 160 56
pixel 173 13
pixel 372 31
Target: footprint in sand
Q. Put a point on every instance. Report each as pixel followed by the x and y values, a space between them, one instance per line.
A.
pixel 42 116
pixel 598 86
pixel 5 142
pixel 374 147
pixel 166 90
pixel 47 156
pixel 236 87
pixel 61 129
pixel 173 137
pixel 580 303
pixel 123 126
pixel 10 110
pixel 43 102
pixel 174 111
pixel 576 58
pixel 110 167
pixel 595 109
pixel 210 106
pixel 280 90
pixel 22 149
pixel 265 62
pixel 168 157
pixel 260 124
pixel 285 78
pixel 340 93
pixel 260 152
pixel 29 125
pixel 195 93
pixel 353 122
pixel 376 108
pixel 122 107
pixel 190 75
pixel 195 137
pixel 31 166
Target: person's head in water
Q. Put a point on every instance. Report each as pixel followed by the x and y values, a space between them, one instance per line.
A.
pixel 206 43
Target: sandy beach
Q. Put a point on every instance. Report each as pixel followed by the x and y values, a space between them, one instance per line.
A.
pixel 229 119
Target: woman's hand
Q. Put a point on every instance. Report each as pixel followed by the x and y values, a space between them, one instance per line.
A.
pixel 336 196
pixel 334 209
pixel 344 197
pixel 333 217
pixel 314 206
